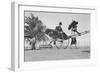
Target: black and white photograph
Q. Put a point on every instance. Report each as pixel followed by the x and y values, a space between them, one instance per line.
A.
pixel 56 35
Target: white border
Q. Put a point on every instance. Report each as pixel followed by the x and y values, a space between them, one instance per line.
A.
pixel 18 61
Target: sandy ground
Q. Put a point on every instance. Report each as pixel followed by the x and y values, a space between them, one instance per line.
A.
pixel 57 54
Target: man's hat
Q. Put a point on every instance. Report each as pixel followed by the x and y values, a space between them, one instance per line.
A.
pixel 60 23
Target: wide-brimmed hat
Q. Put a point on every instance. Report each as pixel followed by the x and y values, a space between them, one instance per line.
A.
pixel 73 24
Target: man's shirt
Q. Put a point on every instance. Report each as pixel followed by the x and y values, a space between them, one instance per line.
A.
pixel 59 29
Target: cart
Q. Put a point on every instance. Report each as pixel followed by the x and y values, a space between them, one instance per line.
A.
pixel 56 39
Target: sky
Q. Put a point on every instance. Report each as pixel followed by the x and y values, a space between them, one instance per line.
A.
pixel 52 19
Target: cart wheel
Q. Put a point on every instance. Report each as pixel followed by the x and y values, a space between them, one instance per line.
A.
pixel 62 44
pixel 42 44
pixel 38 45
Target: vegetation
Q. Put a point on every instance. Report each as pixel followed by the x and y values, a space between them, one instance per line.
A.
pixel 34 28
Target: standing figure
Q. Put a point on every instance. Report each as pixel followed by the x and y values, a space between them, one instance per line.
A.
pixel 73 28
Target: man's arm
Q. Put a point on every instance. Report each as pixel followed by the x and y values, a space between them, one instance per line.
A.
pixel 77 32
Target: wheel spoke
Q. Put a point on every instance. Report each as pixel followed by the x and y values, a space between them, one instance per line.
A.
pixel 63 44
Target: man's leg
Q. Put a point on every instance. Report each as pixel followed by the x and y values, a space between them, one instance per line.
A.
pixel 72 43
pixel 70 46
pixel 76 46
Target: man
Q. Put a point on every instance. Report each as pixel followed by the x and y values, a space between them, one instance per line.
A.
pixel 59 28
pixel 73 28
pixel 59 31
pixel 60 34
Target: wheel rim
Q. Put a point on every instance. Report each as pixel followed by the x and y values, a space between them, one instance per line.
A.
pixel 62 44
pixel 42 44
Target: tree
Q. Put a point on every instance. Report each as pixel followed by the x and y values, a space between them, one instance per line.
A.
pixel 34 28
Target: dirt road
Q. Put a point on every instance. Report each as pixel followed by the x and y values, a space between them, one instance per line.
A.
pixel 57 54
